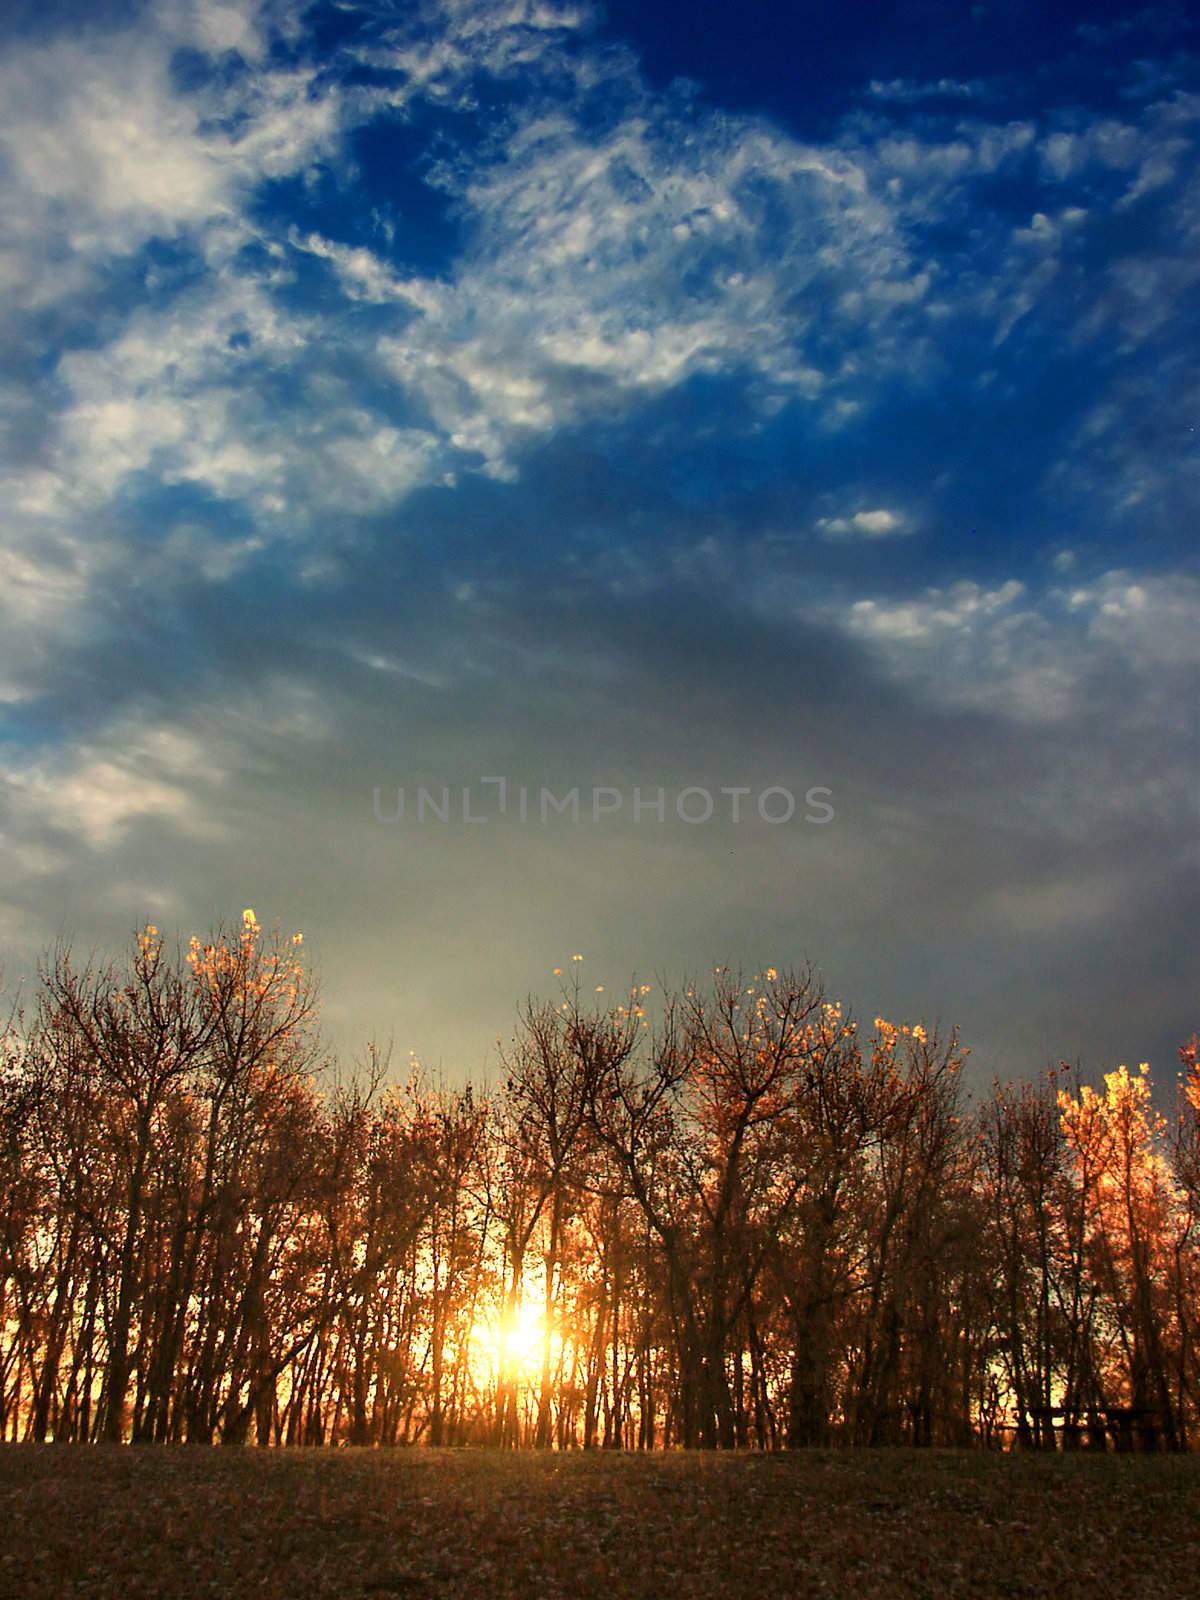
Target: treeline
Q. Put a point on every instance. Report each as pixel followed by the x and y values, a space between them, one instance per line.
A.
pixel 722 1217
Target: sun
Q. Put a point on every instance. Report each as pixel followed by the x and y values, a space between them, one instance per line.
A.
pixel 524 1331
pixel 516 1340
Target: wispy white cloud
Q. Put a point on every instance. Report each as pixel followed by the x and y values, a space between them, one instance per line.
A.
pixel 803 265
pixel 908 91
pixel 103 150
pixel 880 523
pixel 1036 655
pixel 93 794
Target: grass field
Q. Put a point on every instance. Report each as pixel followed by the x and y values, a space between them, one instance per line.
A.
pixel 178 1522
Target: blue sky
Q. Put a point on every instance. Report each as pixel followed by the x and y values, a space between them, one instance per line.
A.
pixel 657 395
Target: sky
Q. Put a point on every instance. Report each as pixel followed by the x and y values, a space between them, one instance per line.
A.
pixel 625 398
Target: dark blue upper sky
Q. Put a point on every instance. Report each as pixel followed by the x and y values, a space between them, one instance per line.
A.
pixel 647 395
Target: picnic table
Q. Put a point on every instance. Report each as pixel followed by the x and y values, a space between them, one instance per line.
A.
pixel 1091 1427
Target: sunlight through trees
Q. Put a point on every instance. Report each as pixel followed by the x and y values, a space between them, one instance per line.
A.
pixel 725 1216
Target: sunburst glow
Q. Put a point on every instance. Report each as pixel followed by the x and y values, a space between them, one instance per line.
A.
pixel 512 1343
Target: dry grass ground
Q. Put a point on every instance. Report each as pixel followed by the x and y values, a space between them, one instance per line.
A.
pixel 183 1523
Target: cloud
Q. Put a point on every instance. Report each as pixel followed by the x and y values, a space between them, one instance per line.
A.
pixel 1149 619
pixel 94 795
pixel 945 768
pixel 878 524
pixel 973 646
pixel 908 91
pixel 806 273
pixel 1039 657
pixel 104 151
